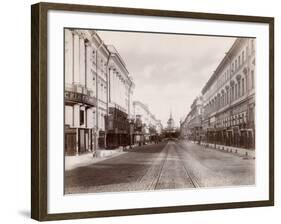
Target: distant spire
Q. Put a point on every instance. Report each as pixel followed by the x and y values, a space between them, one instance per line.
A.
pixel 170 122
pixel 170 113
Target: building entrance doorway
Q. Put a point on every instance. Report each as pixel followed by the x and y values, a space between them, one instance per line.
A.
pixel 70 144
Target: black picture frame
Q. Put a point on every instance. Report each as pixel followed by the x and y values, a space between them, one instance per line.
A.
pixel 39 108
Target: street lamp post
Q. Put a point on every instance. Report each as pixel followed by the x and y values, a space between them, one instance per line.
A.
pixel 215 132
pixel 131 131
pixel 94 141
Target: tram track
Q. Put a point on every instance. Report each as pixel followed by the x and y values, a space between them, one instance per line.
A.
pixel 173 173
pixel 149 179
pixel 161 169
pixel 192 178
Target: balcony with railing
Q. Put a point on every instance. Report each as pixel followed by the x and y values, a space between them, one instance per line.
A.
pixel 74 93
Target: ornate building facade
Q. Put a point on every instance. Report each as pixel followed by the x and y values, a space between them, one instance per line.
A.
pixel 147 127
pixel 120 94
pixel 228 100
pixel 92 71
pixel 191 126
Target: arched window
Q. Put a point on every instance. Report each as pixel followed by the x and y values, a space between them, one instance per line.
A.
pixel 239 88
pixel 253 79
pixel 243 87
pixel 236 91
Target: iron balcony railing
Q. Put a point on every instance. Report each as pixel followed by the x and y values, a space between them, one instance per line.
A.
pixel 79 94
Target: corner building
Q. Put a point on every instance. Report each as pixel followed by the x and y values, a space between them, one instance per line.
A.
pixel 80 93
pixel 94 75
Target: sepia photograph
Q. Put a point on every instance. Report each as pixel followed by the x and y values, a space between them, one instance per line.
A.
pixel 144 111
pixel 148 111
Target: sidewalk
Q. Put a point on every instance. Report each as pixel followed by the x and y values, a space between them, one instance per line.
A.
pixel 246 153
pixel 72 162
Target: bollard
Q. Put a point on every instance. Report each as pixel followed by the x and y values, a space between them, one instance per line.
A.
pixel 246 156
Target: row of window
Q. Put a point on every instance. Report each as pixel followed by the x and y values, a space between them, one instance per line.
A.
pixel 234 92
pixel 101 117
pixel 101 62
pixel 236 64
pixel 233 120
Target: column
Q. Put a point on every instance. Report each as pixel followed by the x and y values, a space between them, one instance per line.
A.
pixel 68 56
pixel 77 141
pixel 94 140
pixel 120 91
pixel 76 111
pixel 109 85
pixel 124 95
pixel 90 119
pixel 89 78
pixel 114 87
pixel 82 61
pixel 76 58
pixel 117 89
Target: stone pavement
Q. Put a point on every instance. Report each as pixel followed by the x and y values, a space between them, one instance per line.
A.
pixel 172 165
pixel 247 153
pixel 72 162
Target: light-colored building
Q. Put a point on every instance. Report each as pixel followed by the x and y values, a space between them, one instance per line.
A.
pixel 229 98
pixel 191 127
pixel 184 128
pixel 96 79
pixel 225 113
pixel 159 127
pixel 81 115
pixel 120 94
pixel 147 126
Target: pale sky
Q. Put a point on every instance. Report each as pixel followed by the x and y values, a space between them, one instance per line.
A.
pixel 168 70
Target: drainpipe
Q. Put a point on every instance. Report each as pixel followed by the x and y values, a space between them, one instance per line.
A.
pixel 108 82
pixel 108 97
pixel 229 97
pixel 97 95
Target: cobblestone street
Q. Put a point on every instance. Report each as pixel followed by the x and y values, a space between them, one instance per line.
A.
pixel 167 165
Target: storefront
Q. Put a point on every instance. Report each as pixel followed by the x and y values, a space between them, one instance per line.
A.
pixel 117 129
pixel 78 140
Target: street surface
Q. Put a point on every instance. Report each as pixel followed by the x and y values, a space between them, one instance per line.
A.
pixel 167 165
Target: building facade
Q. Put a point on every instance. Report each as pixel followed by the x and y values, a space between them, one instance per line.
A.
pixel 120 95
pixel 80 94
pixel 159 127
pixel 92 72
pixel 185 131
pixel 225 113
pixel 191 127
pixel 229 98
pixel 147 127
